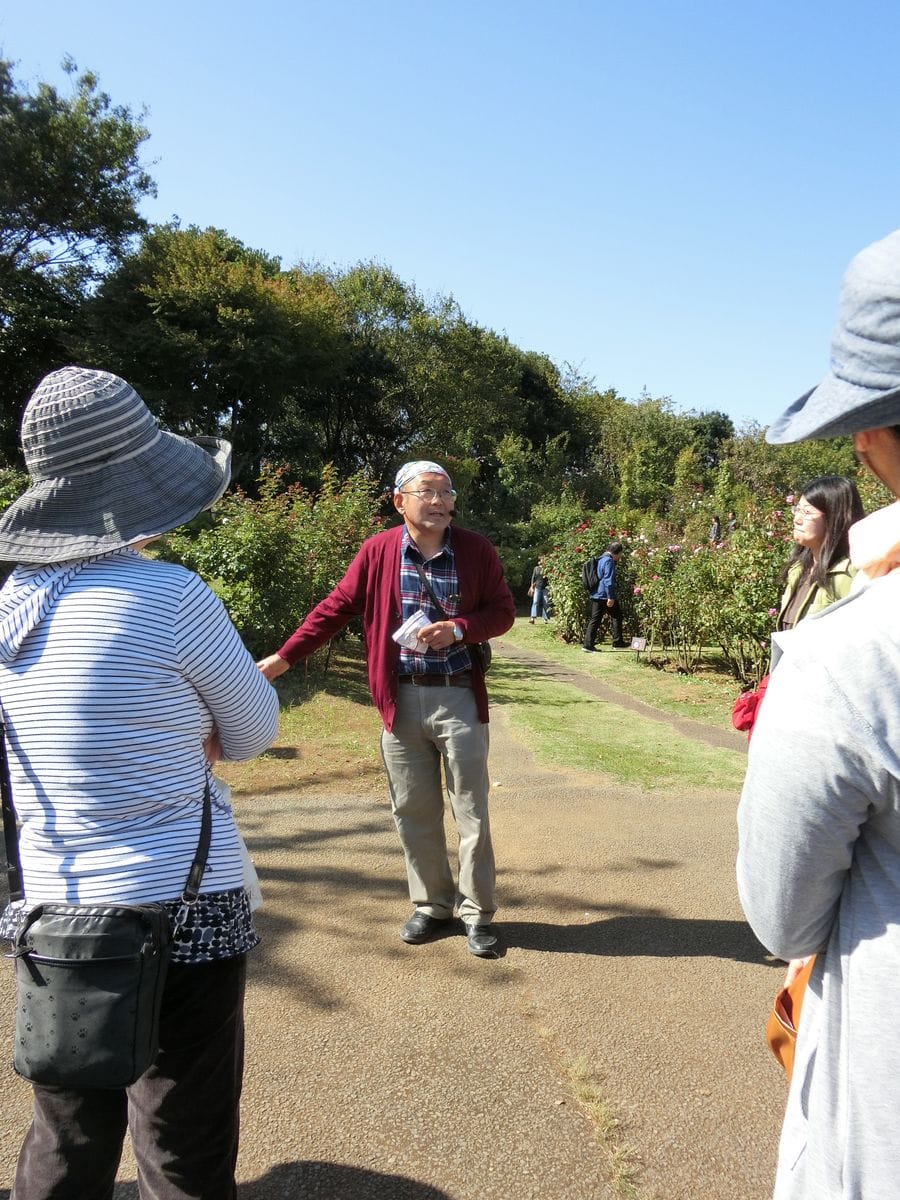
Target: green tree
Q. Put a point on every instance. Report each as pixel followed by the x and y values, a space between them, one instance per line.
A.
pixel 710 433
pixel 760 469
pixel 215 337
pixel 274 557
pixel 641 442
pixel 70 185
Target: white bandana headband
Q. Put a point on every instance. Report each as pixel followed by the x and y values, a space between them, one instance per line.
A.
pixel 412 469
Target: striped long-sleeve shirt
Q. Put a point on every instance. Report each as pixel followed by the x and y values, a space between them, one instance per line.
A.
pixel 113 670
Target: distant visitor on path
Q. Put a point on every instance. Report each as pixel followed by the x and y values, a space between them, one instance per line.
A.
pixel 599 577
pixel 819 818
pixel 428 593
pixel 715 530
pixel 538 593
pixel 122 678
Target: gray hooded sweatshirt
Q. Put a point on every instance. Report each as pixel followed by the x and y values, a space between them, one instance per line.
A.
pixel 819 871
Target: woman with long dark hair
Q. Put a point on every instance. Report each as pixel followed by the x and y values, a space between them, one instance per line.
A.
pixel 819 570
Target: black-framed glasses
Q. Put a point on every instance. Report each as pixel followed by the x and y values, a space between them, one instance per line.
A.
pixel 429 494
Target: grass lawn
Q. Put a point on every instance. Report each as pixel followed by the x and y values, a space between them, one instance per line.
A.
pixel 328 734
pixel 329 731
pixel 564 725
pixel 707 696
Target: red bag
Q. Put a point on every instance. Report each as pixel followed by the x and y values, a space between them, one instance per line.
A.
pixel 746 708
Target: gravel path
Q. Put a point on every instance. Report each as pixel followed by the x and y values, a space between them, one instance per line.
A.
pixel 380 1071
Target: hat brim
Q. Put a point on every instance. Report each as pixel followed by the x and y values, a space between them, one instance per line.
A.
pixel 835 409
pixel 102 510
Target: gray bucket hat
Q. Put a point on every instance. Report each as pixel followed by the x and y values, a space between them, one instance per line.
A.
pixel 862 389
pixel 103 473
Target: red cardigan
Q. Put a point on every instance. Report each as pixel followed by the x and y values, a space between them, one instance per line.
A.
pixel 371 587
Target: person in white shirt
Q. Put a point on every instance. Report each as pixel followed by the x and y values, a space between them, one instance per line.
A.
pixel 121 678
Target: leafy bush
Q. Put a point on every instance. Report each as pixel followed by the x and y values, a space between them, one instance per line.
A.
pixel 748 590
pixel 13 483
pixel 668 584
pixel 682 596
pixel 570 602
pixel 271 560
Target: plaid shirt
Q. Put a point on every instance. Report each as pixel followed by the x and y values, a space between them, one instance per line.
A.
pixel 441 574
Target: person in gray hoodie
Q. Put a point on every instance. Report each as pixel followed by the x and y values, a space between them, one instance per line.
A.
pixel 819 818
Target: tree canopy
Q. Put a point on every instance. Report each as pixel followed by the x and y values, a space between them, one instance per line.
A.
pixel 70 186
pixel 307 369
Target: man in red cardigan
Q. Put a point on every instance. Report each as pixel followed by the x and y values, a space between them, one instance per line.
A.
pixel 445 586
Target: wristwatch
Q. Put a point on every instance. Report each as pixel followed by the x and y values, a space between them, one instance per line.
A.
pixel 457 633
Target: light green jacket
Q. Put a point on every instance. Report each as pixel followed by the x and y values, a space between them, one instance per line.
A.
pixel 840 577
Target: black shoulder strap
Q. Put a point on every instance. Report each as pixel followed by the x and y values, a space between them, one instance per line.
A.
pixel 11 833
pixel 430 590
pixel 198 866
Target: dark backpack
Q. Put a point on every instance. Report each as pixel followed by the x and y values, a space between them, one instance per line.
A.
pixel 589 576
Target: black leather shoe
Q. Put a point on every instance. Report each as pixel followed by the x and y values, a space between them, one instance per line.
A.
pixel 481 940
pixel 421 928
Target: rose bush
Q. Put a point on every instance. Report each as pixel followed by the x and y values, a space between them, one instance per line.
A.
pixel 684 596
pixel 271 560
pixel 748 588
pixel 570 602
pixel 669 579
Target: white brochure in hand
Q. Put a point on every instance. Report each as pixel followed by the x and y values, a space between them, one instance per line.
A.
pixel 406 634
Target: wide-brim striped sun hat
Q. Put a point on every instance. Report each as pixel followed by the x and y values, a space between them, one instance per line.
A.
pixel 103 473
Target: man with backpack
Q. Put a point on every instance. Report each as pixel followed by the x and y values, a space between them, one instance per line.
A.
pixel 599 578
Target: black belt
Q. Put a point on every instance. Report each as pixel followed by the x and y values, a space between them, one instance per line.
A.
pixel 460 679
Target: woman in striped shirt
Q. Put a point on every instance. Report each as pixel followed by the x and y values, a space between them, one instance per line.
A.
pixel 121 679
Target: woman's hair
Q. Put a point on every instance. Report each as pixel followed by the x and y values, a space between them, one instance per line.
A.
pixel 838 500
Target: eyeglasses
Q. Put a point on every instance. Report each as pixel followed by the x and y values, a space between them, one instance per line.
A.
pixel 429 494
pixel 804 512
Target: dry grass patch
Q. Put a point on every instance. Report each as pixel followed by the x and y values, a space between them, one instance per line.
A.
pixel 328 736
pixel 622 1164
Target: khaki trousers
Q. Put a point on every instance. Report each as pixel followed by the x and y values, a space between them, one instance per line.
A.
pixel 435 725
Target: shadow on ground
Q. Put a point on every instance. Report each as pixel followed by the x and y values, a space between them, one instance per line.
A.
pixel 640 936
pixel 314 1181
pixel 333 1181
pixel 317 1181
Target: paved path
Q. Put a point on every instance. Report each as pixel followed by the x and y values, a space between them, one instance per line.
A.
pixel 378 1071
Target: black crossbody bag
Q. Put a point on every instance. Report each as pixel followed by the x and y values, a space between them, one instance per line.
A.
pixel 480 651
pixel 89 977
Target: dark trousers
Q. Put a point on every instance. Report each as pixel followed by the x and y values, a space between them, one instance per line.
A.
pixel 182 1113
pixel 599 610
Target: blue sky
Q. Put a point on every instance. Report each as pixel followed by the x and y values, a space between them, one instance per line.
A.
pixel 662 194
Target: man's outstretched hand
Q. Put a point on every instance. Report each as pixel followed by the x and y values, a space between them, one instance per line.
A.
pixel 273 666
